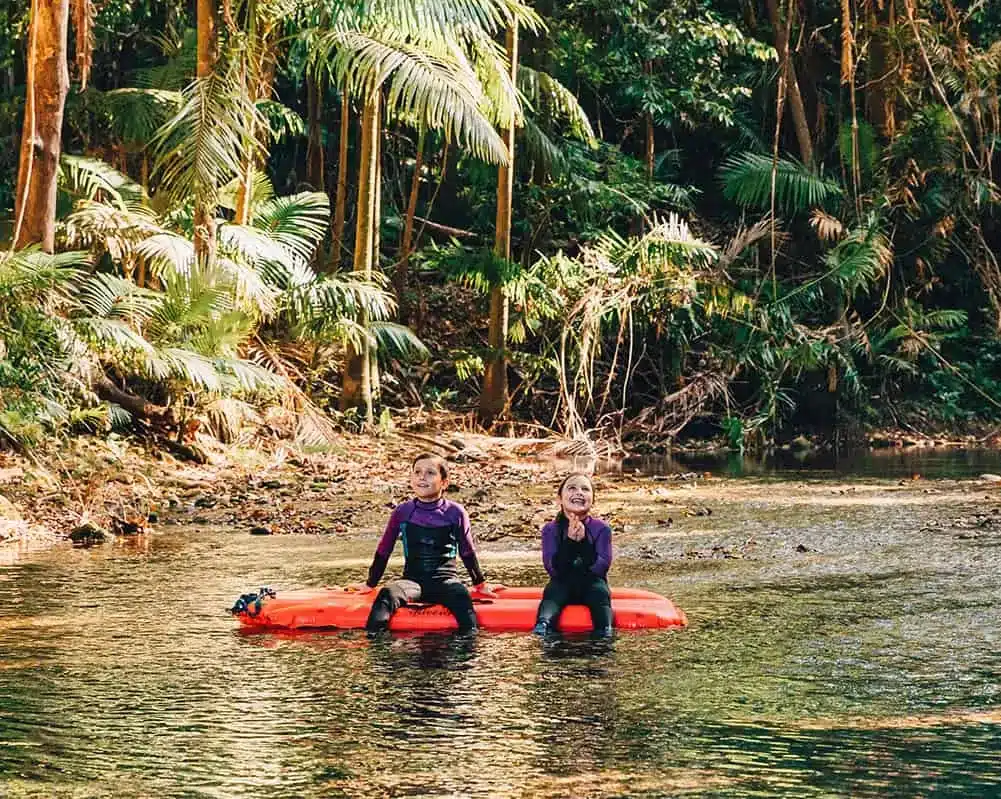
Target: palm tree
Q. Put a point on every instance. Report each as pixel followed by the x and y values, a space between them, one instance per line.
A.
pixel 421 56
pixel 493 397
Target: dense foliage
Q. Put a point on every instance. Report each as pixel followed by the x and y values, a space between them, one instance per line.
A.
pixel 747 219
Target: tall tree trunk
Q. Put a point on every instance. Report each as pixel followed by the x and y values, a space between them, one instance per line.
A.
pixel 493 397
pixel 207 37
pixel 880 107
pixel 356 390
pixel 400 279
pixel 41 138
pixel 648 121
pixel 314 148
pixel 340 199
pixel 204 213
pixel 373 350
pixel 800 125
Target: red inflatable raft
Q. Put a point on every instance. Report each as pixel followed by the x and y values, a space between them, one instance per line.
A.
pixel 513 609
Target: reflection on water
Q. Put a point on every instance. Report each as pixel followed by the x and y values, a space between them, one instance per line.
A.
pixel 870 669
pixel 889 463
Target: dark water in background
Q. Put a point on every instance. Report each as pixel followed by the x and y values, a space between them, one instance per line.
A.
pixel 931 462
pixel 870 667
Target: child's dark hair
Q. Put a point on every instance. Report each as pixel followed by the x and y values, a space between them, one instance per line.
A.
pixel 437 460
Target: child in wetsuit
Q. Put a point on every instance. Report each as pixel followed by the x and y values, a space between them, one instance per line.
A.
pixel 577 552
pixel 434 530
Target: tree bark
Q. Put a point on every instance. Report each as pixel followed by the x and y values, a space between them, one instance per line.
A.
pixel 340 200
pixel 400 279
pixel 493 397
pixel 648 121
pixel 207 50
pixel 799 121
pixel 374 386
pixel 356 391
pixel 41 137
pixel 207 38
pixel 314 147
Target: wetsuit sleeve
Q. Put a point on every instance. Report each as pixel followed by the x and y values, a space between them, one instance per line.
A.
pixel 550 546
pixel 385 548
pixel 602 551
pixel 467 548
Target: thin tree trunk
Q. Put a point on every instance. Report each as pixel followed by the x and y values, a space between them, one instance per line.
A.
pixel 848 77
pixel 314 149
pixel 648 121
pixel 493 397
pixel 880 108
pixel 340 200
pixel 357 384
pixel 400 279
pixel 800 124
pixel 373 350
pixel 41 137
pixel 204 213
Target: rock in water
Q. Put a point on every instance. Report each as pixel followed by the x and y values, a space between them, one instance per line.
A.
pixel 89 533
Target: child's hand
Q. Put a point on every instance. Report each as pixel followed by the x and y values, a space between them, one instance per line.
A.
pixel 485 591
pixel 359 588
pixel 575 532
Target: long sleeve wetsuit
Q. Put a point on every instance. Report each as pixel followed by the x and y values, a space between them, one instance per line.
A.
pixel 578 572
pixel 433 534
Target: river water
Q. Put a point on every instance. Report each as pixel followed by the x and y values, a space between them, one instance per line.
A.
pixel 853 650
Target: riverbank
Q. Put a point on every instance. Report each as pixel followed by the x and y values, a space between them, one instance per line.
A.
pixel 94 491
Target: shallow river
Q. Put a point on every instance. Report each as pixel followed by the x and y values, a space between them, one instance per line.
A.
pixel 867 662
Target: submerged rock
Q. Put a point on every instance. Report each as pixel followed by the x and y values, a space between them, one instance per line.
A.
pixel 88 534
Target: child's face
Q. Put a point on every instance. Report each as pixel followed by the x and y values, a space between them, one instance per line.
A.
pixel 426 480
pixel 577 496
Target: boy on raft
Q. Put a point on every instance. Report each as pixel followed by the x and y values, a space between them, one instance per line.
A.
pixel 433 530
pixel 577 553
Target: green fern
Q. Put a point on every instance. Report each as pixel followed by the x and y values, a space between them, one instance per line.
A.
pixel 747 180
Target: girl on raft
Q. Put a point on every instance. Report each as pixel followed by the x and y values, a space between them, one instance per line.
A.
pixel 434 530
pixel 577 552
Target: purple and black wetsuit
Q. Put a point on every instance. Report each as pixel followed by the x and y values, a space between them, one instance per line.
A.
pixel 578 572
pixel 433 535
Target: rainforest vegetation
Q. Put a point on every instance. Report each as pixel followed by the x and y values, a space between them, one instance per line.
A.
pixel 630 221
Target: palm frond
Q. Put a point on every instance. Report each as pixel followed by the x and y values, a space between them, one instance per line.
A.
pixel 281 120
pixel 261 191
pixel 202 147
pixel 747 180
pixel 249 376
pixel 115 335
pixel 191 367
pixel 31 269
pixel 137 113
pixel 538 148
pixel 109 297
pixel 490 16
pixel 85 178
pixel 398 340
pixel 436 86
pixel 556 102
pixel 167 253
pixel 297 222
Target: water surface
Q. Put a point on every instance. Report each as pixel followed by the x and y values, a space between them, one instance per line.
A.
pixel 867 665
